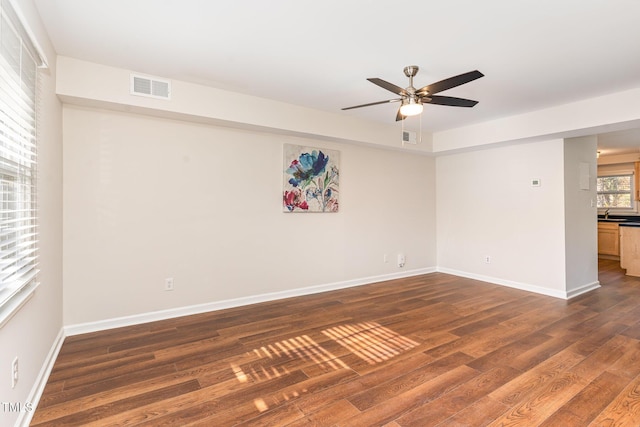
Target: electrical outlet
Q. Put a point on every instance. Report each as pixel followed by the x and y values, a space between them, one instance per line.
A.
pixel 487 259
pixel 168 284
pixel 401 260
pixel 385 258
pixel 14 372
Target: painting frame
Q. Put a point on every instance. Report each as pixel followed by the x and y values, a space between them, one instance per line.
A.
pixel 311 179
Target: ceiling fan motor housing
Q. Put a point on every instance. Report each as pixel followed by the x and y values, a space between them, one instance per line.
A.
pixel 411 70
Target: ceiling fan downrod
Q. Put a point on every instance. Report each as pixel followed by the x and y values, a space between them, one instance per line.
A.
pixel 410 71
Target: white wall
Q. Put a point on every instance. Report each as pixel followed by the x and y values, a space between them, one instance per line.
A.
pixel 581 228
pixel 32 332
pixel 485 205
pixel 147 198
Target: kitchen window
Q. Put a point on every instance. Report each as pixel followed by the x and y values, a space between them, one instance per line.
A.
pixel 615 191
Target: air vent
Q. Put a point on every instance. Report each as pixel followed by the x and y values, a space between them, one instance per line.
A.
pixel 150 86
pixel 409 137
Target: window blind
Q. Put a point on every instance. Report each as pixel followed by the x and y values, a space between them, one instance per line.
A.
pixel 19 63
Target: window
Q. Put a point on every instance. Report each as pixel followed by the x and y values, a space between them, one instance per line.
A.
pixel 615 191
pixel 19 62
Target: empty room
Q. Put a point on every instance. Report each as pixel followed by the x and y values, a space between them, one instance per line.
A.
pixel 325 213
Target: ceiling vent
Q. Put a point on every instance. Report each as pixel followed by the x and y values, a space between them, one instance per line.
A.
pixel 409 137
pixel 150 86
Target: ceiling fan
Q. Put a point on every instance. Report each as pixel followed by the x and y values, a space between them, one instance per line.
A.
pixel 412 99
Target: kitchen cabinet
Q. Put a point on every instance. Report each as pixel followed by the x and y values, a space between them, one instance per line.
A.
pixel 630 250
pixel 608 239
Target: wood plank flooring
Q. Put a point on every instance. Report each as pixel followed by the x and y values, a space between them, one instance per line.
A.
pixel 434 350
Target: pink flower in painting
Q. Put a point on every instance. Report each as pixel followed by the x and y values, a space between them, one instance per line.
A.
pixel 293 199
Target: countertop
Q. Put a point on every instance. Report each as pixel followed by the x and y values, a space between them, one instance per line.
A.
pixel 622 221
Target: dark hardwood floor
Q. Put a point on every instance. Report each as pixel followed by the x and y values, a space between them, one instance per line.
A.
pixel 434 350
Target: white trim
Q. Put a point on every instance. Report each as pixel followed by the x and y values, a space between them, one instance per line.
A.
pixel 12 305
pixel 24 419
pixel 583 289
pixel 136 319
pixel 32 38
pixel 117 322
pixel 508 283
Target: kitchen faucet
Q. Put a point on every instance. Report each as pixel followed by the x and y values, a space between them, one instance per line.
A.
pixel 606 214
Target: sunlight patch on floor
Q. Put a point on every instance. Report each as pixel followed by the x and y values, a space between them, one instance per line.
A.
pixel 370 341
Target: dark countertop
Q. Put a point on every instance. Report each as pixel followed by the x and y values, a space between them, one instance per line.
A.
pixel 622 220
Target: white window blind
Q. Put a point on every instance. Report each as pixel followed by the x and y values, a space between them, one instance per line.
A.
pixel 19 63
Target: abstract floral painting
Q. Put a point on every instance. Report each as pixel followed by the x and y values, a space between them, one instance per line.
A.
pixel 311 179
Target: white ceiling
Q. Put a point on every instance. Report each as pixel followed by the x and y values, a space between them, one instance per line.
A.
pixel 534 53
pixel 620 142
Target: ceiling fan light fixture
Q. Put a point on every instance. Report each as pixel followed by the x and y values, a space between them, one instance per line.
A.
pixel 411 108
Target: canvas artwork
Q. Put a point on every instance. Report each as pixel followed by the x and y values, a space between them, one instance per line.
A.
pixel 310 181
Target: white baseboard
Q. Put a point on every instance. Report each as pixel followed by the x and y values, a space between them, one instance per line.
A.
pixel 135 319
pixel 522 286
pixel 24 419
pixel 583 289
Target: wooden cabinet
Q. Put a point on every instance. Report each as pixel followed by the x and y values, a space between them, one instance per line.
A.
pixel 630 250
pixel 608 238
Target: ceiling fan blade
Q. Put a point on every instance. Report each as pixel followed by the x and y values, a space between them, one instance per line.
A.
pixel 373 103
pixel 449 83
pixel 388 86
pixel 449 100
pixel 400 116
